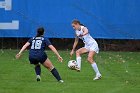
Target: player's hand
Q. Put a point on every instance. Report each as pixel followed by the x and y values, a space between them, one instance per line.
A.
pixel 71 53
pixel 18 56
pixel 60 59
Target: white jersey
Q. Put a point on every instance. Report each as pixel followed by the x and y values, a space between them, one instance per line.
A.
pixel 87 39
pixel 90 43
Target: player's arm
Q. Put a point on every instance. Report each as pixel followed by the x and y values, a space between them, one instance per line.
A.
pixel 74 45
pixel 56 52
pixel 22 49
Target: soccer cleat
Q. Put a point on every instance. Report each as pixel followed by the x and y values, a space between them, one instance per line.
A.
pixel 61 81
pixel 77 69
pixel 38 78
pixel 98 76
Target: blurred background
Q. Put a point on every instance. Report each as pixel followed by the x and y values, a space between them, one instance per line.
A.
pixel 115 24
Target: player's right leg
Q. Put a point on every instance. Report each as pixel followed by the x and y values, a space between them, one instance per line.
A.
pixel 53 70
pixel 78 57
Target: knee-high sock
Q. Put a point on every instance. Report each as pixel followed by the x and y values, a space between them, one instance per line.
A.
pixel 55 74
pixel 38 70
pixel 78 59
pixel 94 66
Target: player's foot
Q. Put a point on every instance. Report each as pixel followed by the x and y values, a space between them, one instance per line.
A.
pixel 61 81
pixel 38 78
pixel 98 76
pixel 77 69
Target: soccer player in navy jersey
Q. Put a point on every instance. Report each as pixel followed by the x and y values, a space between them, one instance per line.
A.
pixel 37 54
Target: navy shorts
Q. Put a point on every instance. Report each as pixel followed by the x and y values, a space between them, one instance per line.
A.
pixel 34 59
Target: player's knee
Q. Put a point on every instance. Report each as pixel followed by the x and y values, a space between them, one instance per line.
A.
pixel 50 68
pixel 77 52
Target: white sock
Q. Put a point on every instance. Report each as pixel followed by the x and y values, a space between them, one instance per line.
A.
pixel 78 59
pixel 94 66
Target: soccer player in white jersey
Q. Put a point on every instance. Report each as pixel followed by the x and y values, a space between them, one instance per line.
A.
pixel 91 47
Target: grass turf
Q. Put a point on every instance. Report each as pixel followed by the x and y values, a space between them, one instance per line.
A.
pixel 120 70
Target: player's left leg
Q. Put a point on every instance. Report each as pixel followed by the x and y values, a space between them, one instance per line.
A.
pixel 93 64
pixel 38 71
pixel 37 67
pixel 52 69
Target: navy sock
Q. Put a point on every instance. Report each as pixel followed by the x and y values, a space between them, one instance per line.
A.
pixel 38 70
pixel 56 74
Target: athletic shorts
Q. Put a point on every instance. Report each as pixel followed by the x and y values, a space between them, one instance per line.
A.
pixel 37 59
pixel 92 47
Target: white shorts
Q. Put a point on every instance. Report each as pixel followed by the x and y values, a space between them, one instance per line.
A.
pixel 92 47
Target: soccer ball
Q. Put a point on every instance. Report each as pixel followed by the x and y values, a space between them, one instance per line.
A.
pixel 72 64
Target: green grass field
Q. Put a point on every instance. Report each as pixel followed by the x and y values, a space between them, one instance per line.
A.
pixel 120 70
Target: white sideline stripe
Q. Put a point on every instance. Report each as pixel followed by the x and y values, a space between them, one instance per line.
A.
pixel 14 25
pixel 7 4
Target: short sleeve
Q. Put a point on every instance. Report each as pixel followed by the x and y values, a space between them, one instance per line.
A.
pixel 47 41
pixel 30 40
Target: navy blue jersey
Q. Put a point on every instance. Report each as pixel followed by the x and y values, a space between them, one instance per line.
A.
pixel 38 45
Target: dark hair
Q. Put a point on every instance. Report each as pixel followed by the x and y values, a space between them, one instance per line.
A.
pixel 75 21
pixel 40 32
